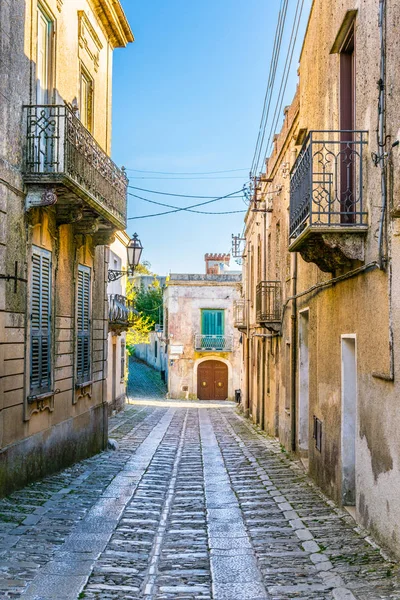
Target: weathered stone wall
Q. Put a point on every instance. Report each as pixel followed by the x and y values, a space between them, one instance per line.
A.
pixel 365 306
pixel 41 436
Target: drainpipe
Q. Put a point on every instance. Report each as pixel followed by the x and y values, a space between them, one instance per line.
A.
pixel 247 308
pixel 264 339
pixel 381 154
pixel 293 353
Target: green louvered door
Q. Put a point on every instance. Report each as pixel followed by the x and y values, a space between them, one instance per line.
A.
pixel 83 362
pixel 212 329
pixel 40 363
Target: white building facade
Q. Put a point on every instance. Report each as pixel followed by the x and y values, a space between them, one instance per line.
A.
pixel 119 319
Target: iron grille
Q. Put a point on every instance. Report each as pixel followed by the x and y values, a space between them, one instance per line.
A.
pixel 239 314
pixel 120 311
pixel 326 185
pixel 59 148
pixel 213 343
pixel 269 302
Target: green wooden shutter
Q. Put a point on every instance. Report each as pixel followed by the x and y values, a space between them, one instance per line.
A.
pixel 40 363
pixel 83 324
pixel 212 322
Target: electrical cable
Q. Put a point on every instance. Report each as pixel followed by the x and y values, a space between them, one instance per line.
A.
pixel 178 207
pixel 285 76
pixel 270 85
pixel 184 173
pixel 201 212
pixel 189 178
pixel 187 208
pixel 132 187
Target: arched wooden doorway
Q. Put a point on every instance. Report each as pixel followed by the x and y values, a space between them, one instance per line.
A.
pixel 212 380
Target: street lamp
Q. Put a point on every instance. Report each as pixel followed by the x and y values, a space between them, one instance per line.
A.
pixel 134 252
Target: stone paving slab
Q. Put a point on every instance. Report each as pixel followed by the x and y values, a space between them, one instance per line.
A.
pixel 195 504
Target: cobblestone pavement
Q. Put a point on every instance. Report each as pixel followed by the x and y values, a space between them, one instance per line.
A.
pixel 195 504
pixel 144 381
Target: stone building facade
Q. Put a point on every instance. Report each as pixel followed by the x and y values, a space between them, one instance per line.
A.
pixel 201 345
pixel 61 201
pixel 120 318
pixel 320 312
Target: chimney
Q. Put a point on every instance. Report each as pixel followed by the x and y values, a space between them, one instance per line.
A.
pixel 217 264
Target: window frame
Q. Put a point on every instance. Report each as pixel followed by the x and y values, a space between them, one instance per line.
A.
pixel 123 360
pixel 45 95
pixel 83 375
pixel 215 311
pixel 87 116
pixel 37 333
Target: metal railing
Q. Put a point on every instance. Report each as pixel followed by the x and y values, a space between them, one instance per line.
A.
pixel 120 311
pixel 269 302
pixel 60 148
pixel 239 314
pixel 213 343
pixel 326 185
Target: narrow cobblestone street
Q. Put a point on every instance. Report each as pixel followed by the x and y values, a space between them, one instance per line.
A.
pixel 194 504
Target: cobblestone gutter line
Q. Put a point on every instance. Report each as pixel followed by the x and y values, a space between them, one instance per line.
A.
pixel 168 561
pixel 234 570
pixel 347 567
pixel 163 524
pixel 66 574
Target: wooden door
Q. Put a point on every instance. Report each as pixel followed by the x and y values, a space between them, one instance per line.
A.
pixel 212 380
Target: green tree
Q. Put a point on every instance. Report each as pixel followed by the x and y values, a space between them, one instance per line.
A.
pixel 149 304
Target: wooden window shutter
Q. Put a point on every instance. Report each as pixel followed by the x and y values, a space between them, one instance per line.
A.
pixel 40 364
pixel 83 325
pixel 123 351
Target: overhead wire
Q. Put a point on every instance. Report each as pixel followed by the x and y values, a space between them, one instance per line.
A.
pixel 201 212
pixel 285 76
pixel 185 172
pixel 189 178
pixel 270 84
pixel 188 208
pixel 133 187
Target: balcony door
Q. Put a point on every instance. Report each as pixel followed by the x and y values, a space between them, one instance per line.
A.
pixel 212 380
pixel 348 205
pixel 43 57
pixel 213 328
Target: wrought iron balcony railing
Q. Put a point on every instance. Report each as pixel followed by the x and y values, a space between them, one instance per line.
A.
pixel 213 343
pixel 239 314
pixel 120 312
pixel 326 185
pixel 269 302
pixel 62 152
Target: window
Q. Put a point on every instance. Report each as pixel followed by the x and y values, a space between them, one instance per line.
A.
pixel 86 107
pixel 40 359
pixel 45 29
pixel 122 360
pixel 212 322
pixel 155 349
pixel 83 324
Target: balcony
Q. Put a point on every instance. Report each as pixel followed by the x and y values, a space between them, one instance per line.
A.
pixel 120 313
pixel 213 343
pixel 239 315
pixel 65 166
pixel 269 304
pixel 328 220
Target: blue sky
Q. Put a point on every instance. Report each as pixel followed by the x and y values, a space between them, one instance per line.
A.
pixel 187 98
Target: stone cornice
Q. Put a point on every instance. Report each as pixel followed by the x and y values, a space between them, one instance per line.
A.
pixel 123 237
pixel 115 24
